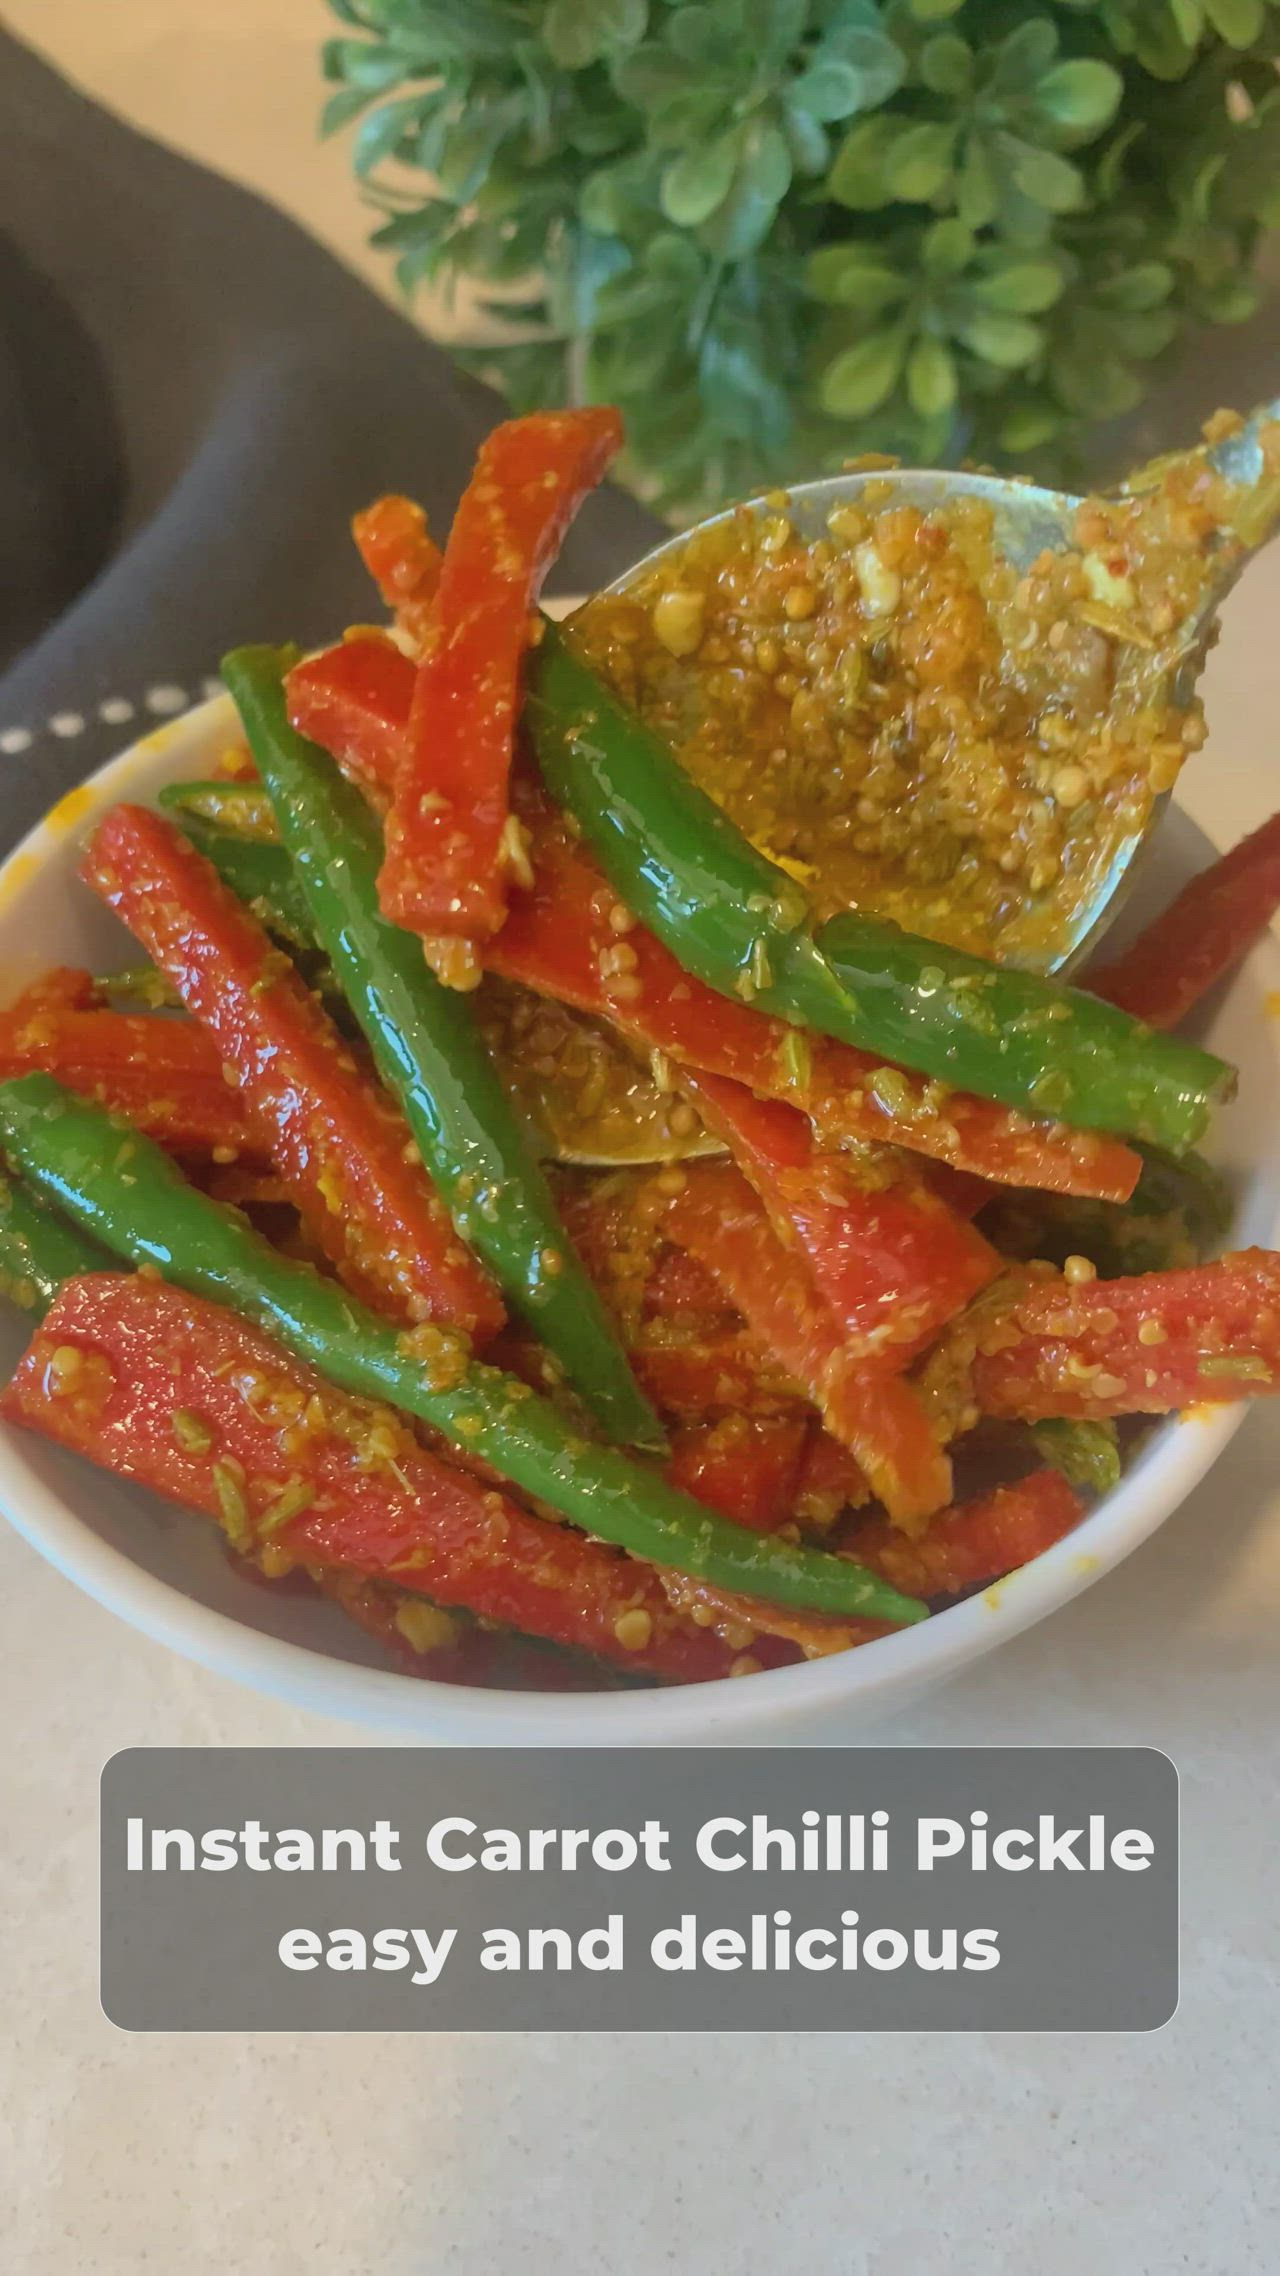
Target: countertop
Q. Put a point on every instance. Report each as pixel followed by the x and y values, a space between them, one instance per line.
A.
pixel 905 2156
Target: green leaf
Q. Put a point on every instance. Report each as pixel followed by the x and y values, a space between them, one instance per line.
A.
pixel 598 132
pixel 1081 97
pixel 579 32
pixel 1161 49
pixel 831 90
pixel 919 161
pixel 857 176
pixel 341 108
pixel 694 185
pixel 1229 299
pixel 946 65
pixel 977 189
pixel 1145 285
pixel 697 35
pixel 619 199
pixel 931 377
pixel 470 147
pixel 853 70
pixel 854 276
pixel 689 120
pixel 861 378
pixel 1043 177
pixel 1020 288
pixel 362 63
pixel 772 30
pixel 1087 380
pixel 1109 176
pixel 1143 334
pixel 382 131
pixel 675 262
pixel 1240 22
pixel 423 226
pixel 649 75
pixel 946 247
pixel 1008 341
pixel 761 180
pixel 737 385
pixel 806 139
pixel 933 11
pixel 1029 426
pixel 1025 55
pixel 1199 196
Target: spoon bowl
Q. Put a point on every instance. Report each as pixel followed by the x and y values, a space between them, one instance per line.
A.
pixel 1028 521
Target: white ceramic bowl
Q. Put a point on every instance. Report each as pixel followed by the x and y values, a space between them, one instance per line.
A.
pixel 165 1571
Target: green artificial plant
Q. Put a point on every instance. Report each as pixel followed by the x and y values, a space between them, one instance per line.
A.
pixel 778 232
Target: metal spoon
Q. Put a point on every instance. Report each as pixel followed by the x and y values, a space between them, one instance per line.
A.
pixel 1029 521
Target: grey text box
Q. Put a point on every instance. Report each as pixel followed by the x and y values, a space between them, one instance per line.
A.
pixel 876 1889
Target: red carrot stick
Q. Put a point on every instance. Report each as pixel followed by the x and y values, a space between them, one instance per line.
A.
pixel 1145 1345
pixel 1200 937
pixel 331 1134
pixel 977 1542
pixel 182 1396
pixel 746 1469
pixel 403 560
pixel 872 1411
pixel 449 855
pixel 164 1074
pixel 892 1260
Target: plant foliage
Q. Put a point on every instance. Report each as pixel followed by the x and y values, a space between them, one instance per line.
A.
pixel 779 231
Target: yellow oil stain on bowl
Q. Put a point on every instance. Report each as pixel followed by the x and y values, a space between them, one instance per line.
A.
pixel 17 872
pixel 70 810
pixel 157 742
pixel 1271 1003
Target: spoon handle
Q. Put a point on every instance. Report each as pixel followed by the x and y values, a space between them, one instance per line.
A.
pixel 1252 506
pixel 1247 462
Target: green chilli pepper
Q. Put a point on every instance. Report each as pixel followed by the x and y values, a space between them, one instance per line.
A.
pixel 1179 1212
pixel 1014 1036
pixel 743 926
pixel 1087 1453
pixel 121 1189
pixel 431 1055
pixel 729 915
pixel 256 867
pixel 39 1249
pixel 241 806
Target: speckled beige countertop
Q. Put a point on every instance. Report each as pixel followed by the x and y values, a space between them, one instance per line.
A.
pixel 709 2156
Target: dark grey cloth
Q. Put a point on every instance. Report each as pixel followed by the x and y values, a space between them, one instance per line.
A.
pixel 194 398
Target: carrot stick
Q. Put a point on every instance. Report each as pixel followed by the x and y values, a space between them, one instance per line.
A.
pixel 403 560
pixel 1145 1345
pixel 874 1412
pixel 891 1259
pixel 1200 937
pixel 184 1397
pixel 977 1542
pixel 449 854
pixel 164 1074
pixel 747 1470
pixel 331 1134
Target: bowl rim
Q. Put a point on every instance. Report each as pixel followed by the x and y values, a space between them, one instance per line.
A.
pixel 1171 1463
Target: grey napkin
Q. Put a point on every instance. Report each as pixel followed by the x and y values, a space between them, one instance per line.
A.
pixel 194 398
